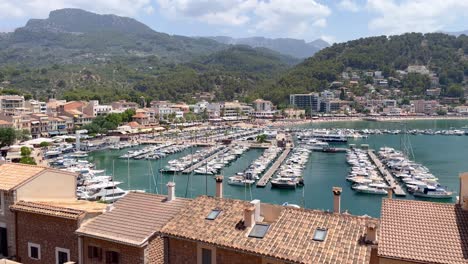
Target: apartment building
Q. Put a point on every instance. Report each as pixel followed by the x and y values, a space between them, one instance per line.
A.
pixel 52 238
pixel 36 107
pixel 11 104
pixel 114 237
pixel 20 182
pixel 93 108
pixel 309 102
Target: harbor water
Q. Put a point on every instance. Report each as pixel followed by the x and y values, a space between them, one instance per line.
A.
pixel 445 156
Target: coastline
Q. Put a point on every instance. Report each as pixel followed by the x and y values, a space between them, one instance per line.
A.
pixel 354 119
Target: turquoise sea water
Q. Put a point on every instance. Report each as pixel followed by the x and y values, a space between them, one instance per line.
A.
pixel 445 156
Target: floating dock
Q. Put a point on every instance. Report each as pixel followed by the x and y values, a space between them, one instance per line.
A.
pixel 203 162
pixel 267 176
pixel 397 190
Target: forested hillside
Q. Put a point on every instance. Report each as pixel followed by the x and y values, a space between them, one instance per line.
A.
pixel 445 55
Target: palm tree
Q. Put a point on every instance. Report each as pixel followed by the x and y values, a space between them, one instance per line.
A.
pixel 262 138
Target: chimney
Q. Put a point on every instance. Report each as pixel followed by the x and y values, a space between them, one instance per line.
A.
pixel 219 186
pixel 371 234
pixel 390 193
pixel 249 216
pixel 337 199
pixel 171 191
pixel 256 204
pixel 463 199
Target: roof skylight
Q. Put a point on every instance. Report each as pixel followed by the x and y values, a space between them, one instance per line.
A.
pixel 213 214
pixel 259 230
pixel 320 234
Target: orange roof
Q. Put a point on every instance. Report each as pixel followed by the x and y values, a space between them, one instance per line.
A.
pixel 423 232
pixel 68 210
pixel 134 218
pixel 134 124
pixel 289 237
pixel 12 175
pixel 139 115
pixel 3 122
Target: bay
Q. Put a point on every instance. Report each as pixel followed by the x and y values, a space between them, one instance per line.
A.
pixel 445 156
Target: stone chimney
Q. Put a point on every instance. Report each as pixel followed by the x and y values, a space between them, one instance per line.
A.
pixel 249 216
pixel 463 199
pixel 371 233
pixel 390 193
pixel 219 186
pixel 337 199
pixel 256 203
pixel 171 191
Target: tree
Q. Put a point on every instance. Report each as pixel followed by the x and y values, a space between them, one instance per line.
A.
pixel 441 112
pixel 342 94
pixel 44 144
pixel 262 138
pixel 455 90
pixel 7 136
pixel 26 156
pixel 22 135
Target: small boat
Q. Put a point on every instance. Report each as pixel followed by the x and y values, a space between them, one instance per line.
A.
pixel 284 183
pixel 239 181
pixel 362 188
pixel 432 192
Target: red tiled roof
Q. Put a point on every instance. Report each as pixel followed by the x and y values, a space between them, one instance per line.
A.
pixel 289 238
pixel 134 218
pixel 425 232
pixel 68 210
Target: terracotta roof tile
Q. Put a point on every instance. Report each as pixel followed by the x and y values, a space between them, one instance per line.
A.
pixel 290 236
pixel 134 218
pixel 13 174
pixel 68 210
pixel 424 232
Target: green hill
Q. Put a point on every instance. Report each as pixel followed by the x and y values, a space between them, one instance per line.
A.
pixel 443 54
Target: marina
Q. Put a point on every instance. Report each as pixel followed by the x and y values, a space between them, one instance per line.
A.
pixel 394 185
pixel 267 176
pixel 245 162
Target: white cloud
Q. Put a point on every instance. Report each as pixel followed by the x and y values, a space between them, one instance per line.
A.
pixel 41 8
pixel 415 15
pixel 329 39
pixel 348 5
pixel 290 17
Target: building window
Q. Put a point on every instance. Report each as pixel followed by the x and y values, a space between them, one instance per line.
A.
pixel 112 257
pixel 94 253
pixel 62 255
pixel 206 254
pixel 2 203
pixel 34 251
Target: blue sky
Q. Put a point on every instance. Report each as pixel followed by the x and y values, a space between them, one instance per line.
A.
pixel 336 20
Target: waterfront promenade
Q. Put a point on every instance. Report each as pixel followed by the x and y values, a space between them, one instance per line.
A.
pixel 397 190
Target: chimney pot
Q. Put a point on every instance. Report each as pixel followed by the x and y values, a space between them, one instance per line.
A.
pixel 371 233
pixel 219 186
pixel 256 204
pixel 337 199
pixel 249 216
pixel 171 191
pixel 463 199
pixel 390 193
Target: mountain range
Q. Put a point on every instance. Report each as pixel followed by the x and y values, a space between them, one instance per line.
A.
pixel 294 47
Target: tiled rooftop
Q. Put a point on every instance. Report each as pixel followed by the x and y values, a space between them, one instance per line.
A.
pixel 12 175
pixel 134 218
pixel 425 232
pixel 290 236
pixel 68 210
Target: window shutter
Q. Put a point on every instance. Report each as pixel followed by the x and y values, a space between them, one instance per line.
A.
pixel 90 252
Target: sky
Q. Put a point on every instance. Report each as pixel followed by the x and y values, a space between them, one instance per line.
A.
pixel 333 20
